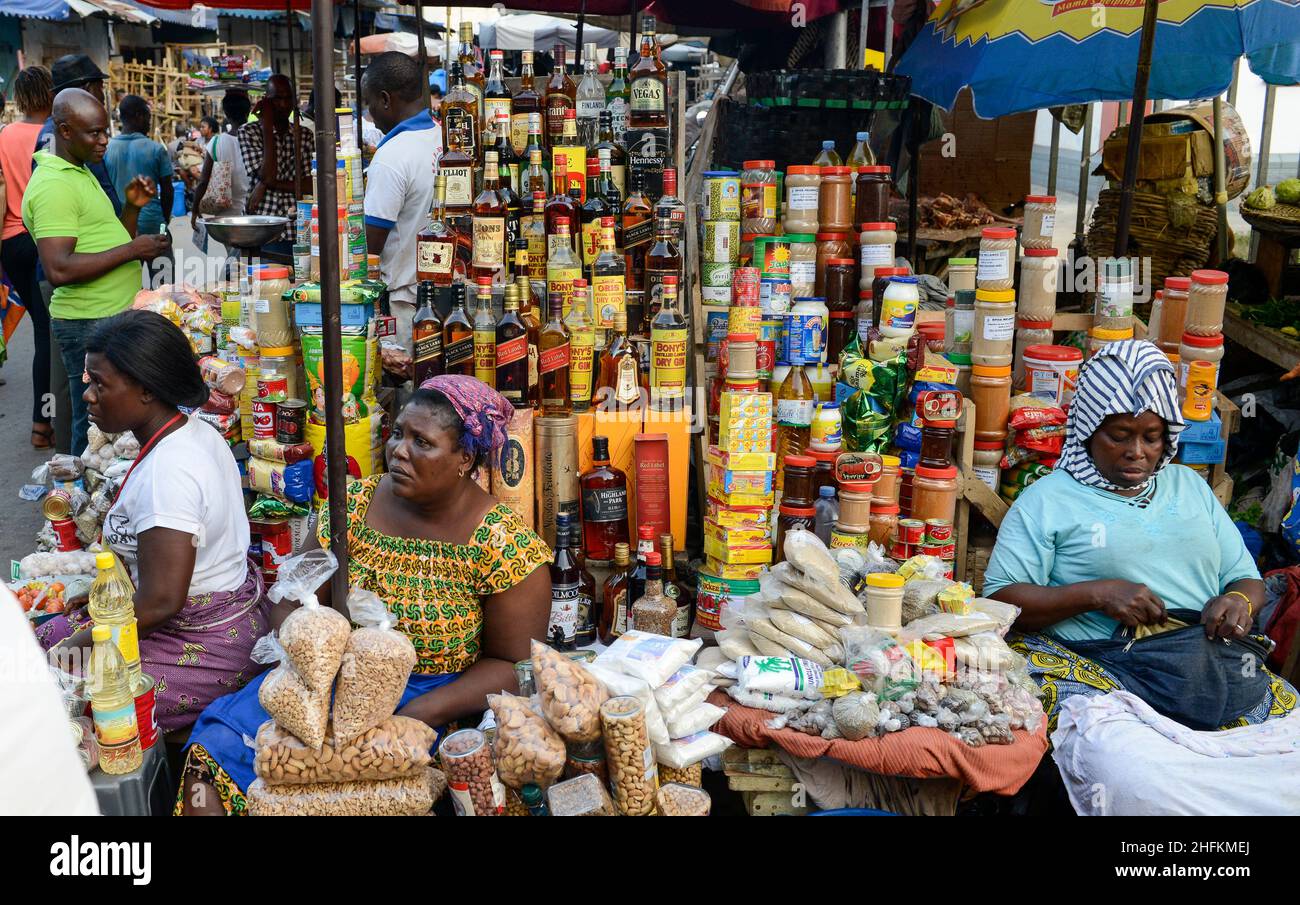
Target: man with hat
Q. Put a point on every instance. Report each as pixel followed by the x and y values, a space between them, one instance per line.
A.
pixel 76 70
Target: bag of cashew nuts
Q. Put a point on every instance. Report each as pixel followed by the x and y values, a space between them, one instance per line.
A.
pixel 570 696
pixel 399 746
pixel 377 663
pixel 527 749
pixel 297 708
pixel 407 796
pixel 313 636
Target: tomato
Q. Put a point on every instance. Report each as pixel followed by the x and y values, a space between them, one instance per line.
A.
pixel 55 605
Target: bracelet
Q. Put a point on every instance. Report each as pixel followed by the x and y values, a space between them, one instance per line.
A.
pixel 1250 610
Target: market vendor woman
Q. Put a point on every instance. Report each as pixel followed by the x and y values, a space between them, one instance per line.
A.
pixel 1128 572
pixel 465 577
pixel 177 523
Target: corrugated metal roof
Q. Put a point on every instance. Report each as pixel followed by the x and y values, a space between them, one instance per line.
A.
pixel 114 9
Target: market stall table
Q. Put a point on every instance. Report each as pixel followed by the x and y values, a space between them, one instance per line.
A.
pixel 1274 345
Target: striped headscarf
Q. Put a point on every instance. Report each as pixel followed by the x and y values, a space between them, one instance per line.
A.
pixel 485 413
pixel 1123 378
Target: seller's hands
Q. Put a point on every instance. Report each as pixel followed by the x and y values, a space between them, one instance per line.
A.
pixel 1128 602
pixel 76 602
pixel 1226 617
pixel 140 191
pixel 150 246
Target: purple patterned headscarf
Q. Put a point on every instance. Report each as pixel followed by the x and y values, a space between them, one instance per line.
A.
pixel 485 412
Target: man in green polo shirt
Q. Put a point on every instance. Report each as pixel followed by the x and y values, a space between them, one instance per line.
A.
pixel 88 254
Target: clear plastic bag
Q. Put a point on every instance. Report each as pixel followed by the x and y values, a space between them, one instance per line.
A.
pixel 681 753
pixel 805 550
pixel 1005 613
pixel 676 800
pixel 582 796
pixel 947 625
pixel 616 683
pixel 651 658
pixel 856 715
pixel 773 703
pixel 312 636
pixel 374 669
pixel 986 651
pixel 682 687
pixel 800 626
pixel 879 662
pixel 570 696
pixel 694 719
pixel 399 746
pixel 735 643
pixel 834 594
pixel 790 598
pixel 921 597
pixel 407 796
pixel 527 749
pixel 296 707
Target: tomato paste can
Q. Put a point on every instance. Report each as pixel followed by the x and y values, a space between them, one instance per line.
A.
pixel 744 287
pixel 938 531
pixel 911 531
pixel 277 542
pixel 65 530
pixel 263 419
pixel 899 549
pixel 715 593
pixel 57 505
pixel 290 421
pixel 146 711
pixel 942 551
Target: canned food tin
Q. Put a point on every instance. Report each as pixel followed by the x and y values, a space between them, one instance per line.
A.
pixel 273 389
pixel 744 319
pixel 769 336
pixel 290 421
pixel 899 550
pixel 716 275
pixel 277 542
pixel 774 296
pixel 714 593
pixel 146 716
pixel 65 531
pixel 744 286
pixel 721 242
pixel 722 196
pixel 263 419
pixel 938 531
pixel 911 530
pixel 943 551
pixel 57 505
pixel 772 256
pixel 716 295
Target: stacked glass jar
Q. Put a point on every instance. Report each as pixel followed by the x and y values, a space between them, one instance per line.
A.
pixel 1202 340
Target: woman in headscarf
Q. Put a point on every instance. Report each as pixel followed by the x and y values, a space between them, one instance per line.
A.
pixel 466 580
pixel 1128 572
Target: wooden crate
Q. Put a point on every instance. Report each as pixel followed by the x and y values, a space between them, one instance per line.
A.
pixel 167 91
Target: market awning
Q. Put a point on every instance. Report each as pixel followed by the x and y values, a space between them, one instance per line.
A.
pixel 52 10
pixel 533 31
pixel 114 9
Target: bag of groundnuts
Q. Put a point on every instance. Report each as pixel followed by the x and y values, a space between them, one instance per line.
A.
pixel 376 665
pixel 313 636
pixel 570 696
pixel 396 747
pixel 407 796
pixel 293 705
pixel 527 749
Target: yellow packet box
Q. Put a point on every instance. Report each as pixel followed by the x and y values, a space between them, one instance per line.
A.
pixel 738 536
pixel 764 461
pixel 733 570
pixel 729 481
pixel 737 516
pixel 761 553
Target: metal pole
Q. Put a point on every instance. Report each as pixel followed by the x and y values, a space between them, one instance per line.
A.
pixel 1133 150
pixel 582 20
pixel 889 32
pixel 322 33
pixel 421 53
pixel 1220 180
pixel 356 50
pixel 1052 162
pixel 634 23
pixel 861 61
pixel 913 178
pixel 1085 164
pixel 1265 143
pixel 290 24
pixel 1235 83
pixel 837 41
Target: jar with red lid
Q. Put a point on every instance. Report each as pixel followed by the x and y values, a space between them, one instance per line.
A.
pixel 879 282
pixel 934 493
pixel 1052 373
pixel 798 487
pixel 1199 348
pixel 1039 274
pixel 887 485
pixel 876 243
pixel 802 199
pixel 824 470
pixel 1028 333
pixel 856 505
pixel 987 463
pixel 1206 299
pixel 997 260
pixel 1173 313
pixel 788 518
pixel 835 205
pixel 841 301
pixel 830 245
pixel 873 189
pixel 1040 221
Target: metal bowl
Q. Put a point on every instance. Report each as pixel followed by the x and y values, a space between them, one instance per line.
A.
pixel 249 231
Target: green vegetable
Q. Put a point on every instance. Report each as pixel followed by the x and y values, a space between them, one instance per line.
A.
pixel 1288 191
pixel 1261 199
pixel 1275 313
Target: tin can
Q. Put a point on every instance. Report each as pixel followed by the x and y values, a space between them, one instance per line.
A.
pixel 744 319
pixel 277 542
pixel 775 296
pixel 714 593
pixel 290 421
pixel 943 551
pixel 769 337
pixel 744 287
pixel 722 196
pixel 721 243
pixel 899 550
pixel 272 388
pixel 938 531
pixel 911 531
pixel 263 419
pixel 65 531
pixel 57 506
pixel 146 707
pixel 556 469
pixel 772 256
pixel 716 275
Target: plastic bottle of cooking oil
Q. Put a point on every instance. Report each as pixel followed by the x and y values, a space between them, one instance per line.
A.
pixel 112 704
pixel 827 156
pixel 794 416
pixel 112 605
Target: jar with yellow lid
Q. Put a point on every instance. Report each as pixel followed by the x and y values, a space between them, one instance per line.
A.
pixel 995 327
pixel 1100 336
pixel 885 601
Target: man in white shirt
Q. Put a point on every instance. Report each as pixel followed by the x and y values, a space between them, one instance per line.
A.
pixel 399 183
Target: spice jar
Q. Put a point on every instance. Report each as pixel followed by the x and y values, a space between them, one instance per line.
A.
pixel 990 390
pixel 270 307
pixel 1028 333
pixel 961 274
pixel 758 197
pixel 855 505
pixel 871 203
pixel 824 470
pixel 1205 302
pixel 1039 272
pixel 886 489
pixel 1040 221
pixel 997 259
pixel 995 327
pixel 1100 336
pixel 959 322
pixel 875 249
pixel 798 482
pixel 1198 401
pixel 802 199
pixel 883 521
pixel 885 601
pixel 803 263
pixel 1199 348
pixel 830 245
pixel 1114 308
pixel 841 302
pixel 788 518
pixel 835 208
pixel 1173 313
pixel 864 317
pixel 934 490
pixel 987 463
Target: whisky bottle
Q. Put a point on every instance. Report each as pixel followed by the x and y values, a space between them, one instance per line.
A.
pixel 512 351
pixel 582 349
pixel 560 98
pixel 661 261
pixel 525 102
pixel 668 352
pixel 649 101
pixel 426 335
pixel 485 335
pixel 469 64
pixel 490 225
pixel 496 96
pixel 553 359
pixel 435 244
pixel 613 612
pixel 603 490
pixel 458 336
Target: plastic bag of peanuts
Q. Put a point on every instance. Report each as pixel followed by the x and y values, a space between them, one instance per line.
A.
pixel 376 665
pixel 396 747
pixel 527 749
pixel 313 636
pixel 629 756
pixel 570 696
pixel 294 706
pixel 407 796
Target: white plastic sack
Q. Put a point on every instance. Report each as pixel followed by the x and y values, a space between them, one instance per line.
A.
pixel 681 753
pixel 696 719
pixel 651 658
pixel 790 676
pixel 616 683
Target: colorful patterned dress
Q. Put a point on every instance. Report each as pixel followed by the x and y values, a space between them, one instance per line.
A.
pixel 436 591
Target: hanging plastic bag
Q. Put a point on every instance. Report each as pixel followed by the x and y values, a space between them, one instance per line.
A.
pixel 375 667
pixel 313 636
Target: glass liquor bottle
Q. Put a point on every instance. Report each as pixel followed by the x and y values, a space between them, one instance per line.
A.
pixel 562 267
pixel 553 358
pixel 668 351
pixel 535 178
pixel 588 602
pixel 671 205
pixel 608 290
pixel 594 211
pixel 649 98
pixel 485 335
pixel 795 402
pixel 561 209
pixel 468 59
pixel 674 591
pixel 462 123
pixel 512 351
pixel 533 230
pixel 435 244
pixel 613 611
pixel 523 105
pixel 490 214
pixel 561 97
pixel 617 155
pixel 661 261
pixel 638 230
pixel 645 545
pixel 507 190
pixel 528 314
pixel 574 154
pixel 653 612
pixel 566 586
pixel 619 384
pixel 618 94
pixel 590 99
pixel 603 490
pixel 496 96
pixel 458 335
pixel 582 350
pixel 426 333
pixel 507 162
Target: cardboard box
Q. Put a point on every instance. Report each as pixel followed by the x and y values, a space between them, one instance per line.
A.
pixel 749 555
pixel 741 461
pixel 748 536
pixel 620 428
pixel 741 571
pixel 1202 431
pixel 677 426
pixel 1211 453
pixel 743 500
pixel 737 516
pixel 730 481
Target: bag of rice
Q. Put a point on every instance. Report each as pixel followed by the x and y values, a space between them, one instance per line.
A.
pixel 735 643
pixel 773 703
pixel 803 628
pixel 791 676
pixel 682 686
pixel 681 753
pixel 651 658
pixel 696 719
pixel 761 625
